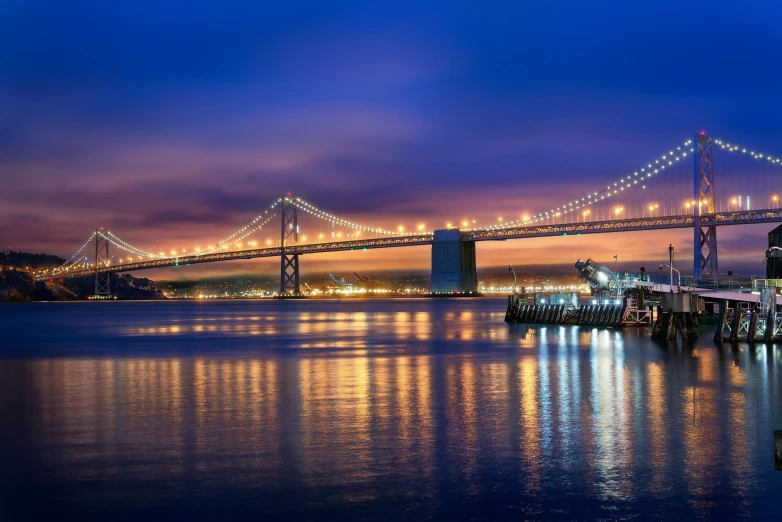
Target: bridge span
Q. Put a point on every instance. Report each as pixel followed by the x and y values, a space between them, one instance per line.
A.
pixel 253 253
pixel 447 265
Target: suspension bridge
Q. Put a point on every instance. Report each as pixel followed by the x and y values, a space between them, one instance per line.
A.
pixel 675 190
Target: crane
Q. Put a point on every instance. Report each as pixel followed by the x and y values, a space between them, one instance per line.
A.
pixel 367 281
pixel 341 282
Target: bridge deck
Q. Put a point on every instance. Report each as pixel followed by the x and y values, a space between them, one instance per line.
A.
pixel 337 246
pixel 743 217
pixel 492 234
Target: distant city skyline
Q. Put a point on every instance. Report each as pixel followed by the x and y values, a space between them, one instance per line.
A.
pixel 174 125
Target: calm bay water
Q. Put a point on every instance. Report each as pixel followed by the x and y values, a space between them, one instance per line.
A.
pixel 392 409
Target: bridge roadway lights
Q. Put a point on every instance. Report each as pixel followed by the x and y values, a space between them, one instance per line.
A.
pixel 453 263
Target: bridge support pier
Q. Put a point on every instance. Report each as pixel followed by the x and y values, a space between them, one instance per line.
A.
pixel 103 285
pixel 453 264
pixel 102 279
pixel 289 262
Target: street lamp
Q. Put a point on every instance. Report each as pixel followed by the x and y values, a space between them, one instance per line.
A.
pixel 510 269
pixel 678 274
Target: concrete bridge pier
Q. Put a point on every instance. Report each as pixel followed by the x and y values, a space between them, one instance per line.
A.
pixel 453 264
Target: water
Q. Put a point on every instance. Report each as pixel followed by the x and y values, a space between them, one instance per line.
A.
pixel 384 410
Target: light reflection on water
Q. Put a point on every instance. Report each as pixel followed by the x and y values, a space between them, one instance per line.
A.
pixel 382 409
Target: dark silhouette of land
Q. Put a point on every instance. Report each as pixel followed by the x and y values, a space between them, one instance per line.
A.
pixel 17 282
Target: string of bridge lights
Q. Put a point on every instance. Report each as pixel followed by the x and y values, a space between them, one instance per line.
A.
pixel 117 242
pixel 133 250
pixel 313 210
pixel 81 261
pixel 236 239
pixel 742 150
pixel 233 237
pixel 626 182
pixel 127 247
pixel 62 266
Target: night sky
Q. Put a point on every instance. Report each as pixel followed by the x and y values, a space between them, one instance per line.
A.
pixel 179 121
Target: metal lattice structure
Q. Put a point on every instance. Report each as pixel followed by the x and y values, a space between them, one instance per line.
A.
pixel 102 261
pixel 705 235
pixel 289 236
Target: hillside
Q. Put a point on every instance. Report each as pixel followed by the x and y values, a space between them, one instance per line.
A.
pixel 18 284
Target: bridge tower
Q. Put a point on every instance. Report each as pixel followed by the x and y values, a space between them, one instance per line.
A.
pixel 289 235
pixel 705 240
pixel 102 259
